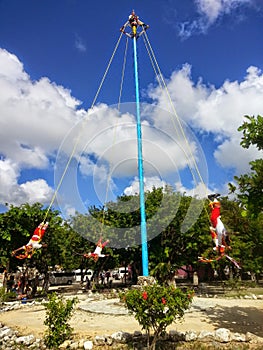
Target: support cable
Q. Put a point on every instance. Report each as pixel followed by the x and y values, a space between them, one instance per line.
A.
pixel 78 138
pixel 115 129
pixel 164 87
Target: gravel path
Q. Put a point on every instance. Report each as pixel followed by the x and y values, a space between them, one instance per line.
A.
pixel 108 316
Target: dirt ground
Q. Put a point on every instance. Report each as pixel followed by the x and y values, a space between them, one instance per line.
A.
pixel 237 315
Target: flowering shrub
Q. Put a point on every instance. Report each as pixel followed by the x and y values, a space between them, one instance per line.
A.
pixel 58 312
pixel 156 307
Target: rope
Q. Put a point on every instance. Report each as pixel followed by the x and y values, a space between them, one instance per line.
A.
pixel 78 138
pixel 114 136
pixel 152 62
pixel 164 86
pixel 123 71
pixel 107 69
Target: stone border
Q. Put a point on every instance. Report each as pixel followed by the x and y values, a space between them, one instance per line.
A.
pixel 11 340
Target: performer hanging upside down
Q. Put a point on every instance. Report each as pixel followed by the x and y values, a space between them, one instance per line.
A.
pixel 217 230
pixel 219 234
pixel 98 251
pixel 27 250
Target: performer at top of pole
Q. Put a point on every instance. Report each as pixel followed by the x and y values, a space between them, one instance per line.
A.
pixel 134 22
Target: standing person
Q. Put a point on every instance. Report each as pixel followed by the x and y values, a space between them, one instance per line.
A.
pixel 134 273
pixel 102 277
pixel 35 284
pixel 10 283
pixel 87 282
pixel 133 22
pixel 107 276
pixel 23 283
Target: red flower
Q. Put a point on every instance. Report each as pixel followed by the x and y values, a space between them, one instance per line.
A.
pixel 145 295
pixel 163 301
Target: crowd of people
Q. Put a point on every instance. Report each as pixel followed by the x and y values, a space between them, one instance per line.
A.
pixel 106 278
pixel 22 284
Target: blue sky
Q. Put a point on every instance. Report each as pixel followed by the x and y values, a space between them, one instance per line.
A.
pixel 53 55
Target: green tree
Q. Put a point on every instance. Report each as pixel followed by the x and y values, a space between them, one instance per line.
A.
pixel 249 193
pixel 17 226
pixel 174 247
pixel 250 186
pixel 167 214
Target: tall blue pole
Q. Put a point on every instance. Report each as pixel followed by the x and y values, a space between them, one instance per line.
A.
pixel 145 269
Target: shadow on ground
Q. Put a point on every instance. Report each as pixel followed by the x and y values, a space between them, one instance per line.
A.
pixel 237 319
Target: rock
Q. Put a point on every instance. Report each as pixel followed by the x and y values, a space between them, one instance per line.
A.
pixel 109 340
pixel 81 343
pixel 238 337
pixel 100 340
pixel 74 346
pixel 206 335
pixel 121 337
pixel 16 307
pixel 88 345
pixel 37 343
pixel 190 336
pixel 26 340
pixel 176 336
pixel 65 345
pixel 139 346
pixel 146 281
pixel 5 331
pixel 223 335
pixel 247 297
pixel 137 334
pixel 254 339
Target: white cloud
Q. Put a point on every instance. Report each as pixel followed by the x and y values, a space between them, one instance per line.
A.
pixel 198 191
pixel 109 153
pixel 34 118
pixel 149 183
pixel 79 44
pixel 11 69
pixel 217 111
pixel 36 191
pixel 211 11
pixel 229 155
pixel 13 193
pixel 70 211
pixel 32 113
pixel 166 151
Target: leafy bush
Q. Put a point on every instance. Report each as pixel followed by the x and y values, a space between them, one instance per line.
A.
pixel 58 313
pixel 6 296
pixel 2 294
pixel 155 307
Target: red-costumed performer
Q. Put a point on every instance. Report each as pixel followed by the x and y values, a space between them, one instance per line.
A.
pixel 217 230
pixel 27 250
pixel 98 251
